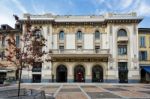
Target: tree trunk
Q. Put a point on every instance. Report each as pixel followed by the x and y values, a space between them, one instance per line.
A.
pixel 19 83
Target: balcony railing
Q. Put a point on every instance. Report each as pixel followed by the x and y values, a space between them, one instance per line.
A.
pixel 123 56
pixel 122 69
pixel 81 51
pixel 144 62
pixel 122 39
pixel 36 69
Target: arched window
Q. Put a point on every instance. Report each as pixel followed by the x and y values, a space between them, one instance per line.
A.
pixel 79 35
pixel 61 35
pixel 122 32
pixel 97 35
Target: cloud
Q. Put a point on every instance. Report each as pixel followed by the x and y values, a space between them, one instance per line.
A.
pixel 38 8
pixel 20 6
pixel 126 3
pixel 143 9
pixel 100 11
pixel 9 7
pixel 6 14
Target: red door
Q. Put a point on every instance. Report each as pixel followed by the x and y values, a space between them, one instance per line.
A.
pixel 79 77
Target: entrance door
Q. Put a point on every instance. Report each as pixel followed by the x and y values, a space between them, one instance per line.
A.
pixel 61 75
pixel 143 75
pixel 2 77
pixel 97 74
pixel 123 72
pixel 123 76
pixel 79 73
pixel 36 78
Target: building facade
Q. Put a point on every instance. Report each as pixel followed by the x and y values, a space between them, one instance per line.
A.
pixel 8 69
pixel 144 54
pixel 100 48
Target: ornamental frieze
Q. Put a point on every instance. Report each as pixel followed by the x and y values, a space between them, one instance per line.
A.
pixel 80 59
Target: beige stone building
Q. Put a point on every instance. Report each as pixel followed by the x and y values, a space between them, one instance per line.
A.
pixel 144 54
pixel 8 69
pixel 101 48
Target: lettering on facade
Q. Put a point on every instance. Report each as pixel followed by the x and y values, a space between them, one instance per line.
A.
pixel 80 59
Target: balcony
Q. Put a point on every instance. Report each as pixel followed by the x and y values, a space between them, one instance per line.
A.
pixel 79 41
pixel 81 53
pixel 123 57
pixel 122 39
pixel 146 62
pixel 36 69
pixel 123 69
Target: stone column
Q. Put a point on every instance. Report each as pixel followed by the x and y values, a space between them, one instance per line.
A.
pixel 70 76
pixel 88 73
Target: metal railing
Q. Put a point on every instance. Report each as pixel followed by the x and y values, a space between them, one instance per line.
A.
pixel 122 38
pixel 36 69
pixel 144 61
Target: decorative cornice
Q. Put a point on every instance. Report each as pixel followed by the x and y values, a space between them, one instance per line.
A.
pixel 144 30
pixel 108 18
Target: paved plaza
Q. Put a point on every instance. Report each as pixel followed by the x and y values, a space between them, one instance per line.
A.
pixel 91 91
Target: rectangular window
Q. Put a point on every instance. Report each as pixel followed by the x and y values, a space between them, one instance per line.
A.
pixel 2 55
pixel 97 48
pixel 3 41
pixel 97 35
pixel 122 65
pixel 143 55
pixel 149 41
pixel 142 41
pixel 17 40
pixel 61 48
pixel 122 49
pixel 37 66
pixel 79 47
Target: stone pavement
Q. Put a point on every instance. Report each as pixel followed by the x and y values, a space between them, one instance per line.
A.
pixel 93 91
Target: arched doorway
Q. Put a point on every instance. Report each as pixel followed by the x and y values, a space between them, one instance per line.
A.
pixel 79 74
pixel 97 74
pixel 61 75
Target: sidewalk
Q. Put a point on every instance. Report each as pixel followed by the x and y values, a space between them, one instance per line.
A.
pixel 92 90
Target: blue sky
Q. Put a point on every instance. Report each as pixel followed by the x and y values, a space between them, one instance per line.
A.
pixel 73 7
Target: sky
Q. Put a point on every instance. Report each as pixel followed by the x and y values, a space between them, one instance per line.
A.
pixel 73 7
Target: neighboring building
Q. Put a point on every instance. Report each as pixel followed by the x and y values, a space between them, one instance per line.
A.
pixel 8 70
pixel 93 48
pixel 144 54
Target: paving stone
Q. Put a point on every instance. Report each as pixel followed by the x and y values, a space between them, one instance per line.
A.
pixel 132 94
pixel 147 92
pixel 70 90
pixel 122 86
pixel 95 95
pixel 88 86
pixel 51 86
pixel 116 89
pixel 74 95
pixel 147 87
pixel 69 86
pixel 139 98
pixel 93 89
